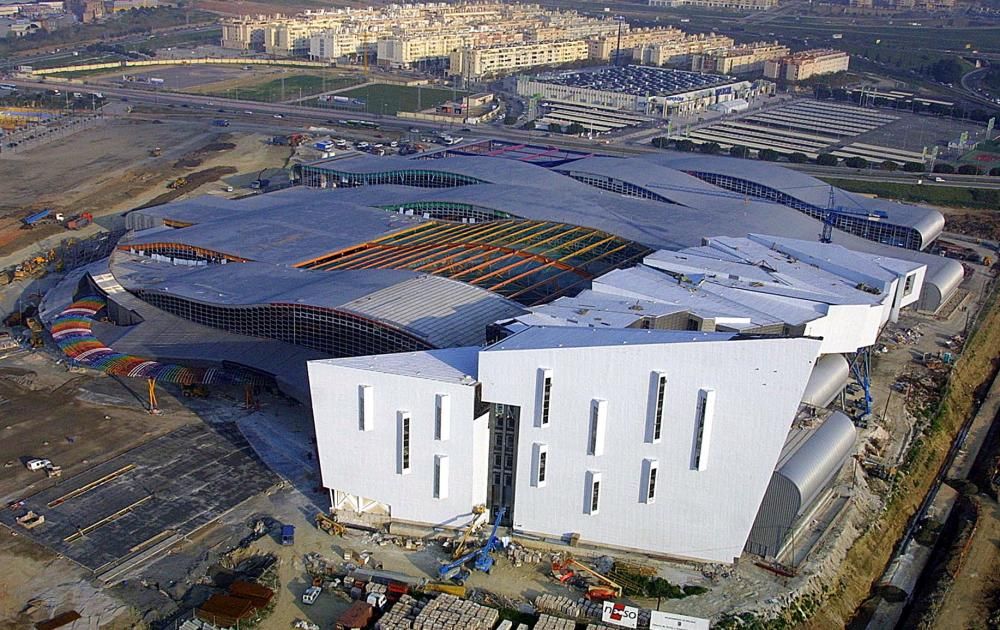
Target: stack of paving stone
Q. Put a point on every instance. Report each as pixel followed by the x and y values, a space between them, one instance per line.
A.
pixel 446 612
pixel 558 605
pixel 548 622
pixel 402 614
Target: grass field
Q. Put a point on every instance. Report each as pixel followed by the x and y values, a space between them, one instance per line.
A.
pixel 294 87
pixel 389 99
pixel 939 195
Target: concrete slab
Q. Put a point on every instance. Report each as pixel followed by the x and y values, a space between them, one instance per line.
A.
pixel 172 485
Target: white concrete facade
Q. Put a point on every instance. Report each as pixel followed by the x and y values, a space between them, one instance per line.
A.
pixel 705 500
pixel 661 421
pixel 404 444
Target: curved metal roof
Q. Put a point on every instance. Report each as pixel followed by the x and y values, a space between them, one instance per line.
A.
pixel 812 465
pixel 828 378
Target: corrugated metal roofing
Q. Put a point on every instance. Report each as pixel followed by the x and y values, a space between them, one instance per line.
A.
pixel 540 337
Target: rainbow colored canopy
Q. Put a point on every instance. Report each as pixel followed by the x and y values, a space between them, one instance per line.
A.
pixel 72 332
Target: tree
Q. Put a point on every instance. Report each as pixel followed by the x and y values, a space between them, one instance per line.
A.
pixel 575 129
pixel 798 158
pixel 738 150
pixel 942 167
pixel 889 165
pixel 684 145
pixel 555 127
pixel 995 171
pixel 913 167
pixel 660 588
pixel 856 162
pixel 948 70
pixel 826 159
pixel 768 155
pixel 710 148
pixel 660 142
pixel 969 169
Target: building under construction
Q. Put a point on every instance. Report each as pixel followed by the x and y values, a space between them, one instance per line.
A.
pixel 576 339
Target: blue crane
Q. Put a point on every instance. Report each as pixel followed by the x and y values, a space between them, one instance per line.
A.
pixel 456 571
pixel 833 211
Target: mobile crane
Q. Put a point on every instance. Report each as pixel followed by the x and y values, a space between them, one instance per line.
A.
pixel 481 558
pixel 609 589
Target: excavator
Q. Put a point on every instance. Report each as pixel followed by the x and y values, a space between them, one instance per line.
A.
pixel 568 568
pixel 459 550
pixel 180 182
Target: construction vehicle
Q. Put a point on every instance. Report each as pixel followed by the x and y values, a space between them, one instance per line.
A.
pixel 5 277
pixel 445 587
pixel 480 558
pixel 194 390
pixel 566 569
pixel 328 525
pixel 36 332
pixel 155 152
pixel 30 520
pixel 287 534
pixel 180 182
pixel 459 550
pixel 79 221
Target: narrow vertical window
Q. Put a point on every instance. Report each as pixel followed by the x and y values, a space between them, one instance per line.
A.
pixel 440 476
pixel 546 397
pixel 403 439
pixel 650 468
pixel 656 421
pixel 366 407
pixel 539 464
pixel 598 415
pixel 593 499
pixel 442 417
pixel 705 412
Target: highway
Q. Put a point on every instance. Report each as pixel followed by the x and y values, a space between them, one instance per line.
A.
pixel 257 113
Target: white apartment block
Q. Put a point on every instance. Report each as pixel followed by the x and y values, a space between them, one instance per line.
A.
pixel 679 52
pixel 473 63
pixel 808 63
pixel 726 5
pixel 742 59
pixel 674 433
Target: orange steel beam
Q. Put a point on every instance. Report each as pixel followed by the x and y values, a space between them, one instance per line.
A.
pixel 554 227
pixel 487 263
pixel 565 244
pixel 351 257
pixel 585 276
pixel 398 256
pixel 334 256
pixel 589 247
pixel 311 261
pixel 443 231
pixel 463 248
pixel 506 268
pixel 485 231
pixel 581 272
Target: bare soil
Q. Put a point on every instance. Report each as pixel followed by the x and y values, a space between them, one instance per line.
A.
pixel 970 598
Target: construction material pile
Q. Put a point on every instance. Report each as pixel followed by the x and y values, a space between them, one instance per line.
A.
pixel 548 622
pixel 518 555
pixel 444 612
pixel 558 605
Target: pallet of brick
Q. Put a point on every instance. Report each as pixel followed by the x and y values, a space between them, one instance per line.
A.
pixel 558 605
pixel 549 622
pixel 447 611
pixel 401 615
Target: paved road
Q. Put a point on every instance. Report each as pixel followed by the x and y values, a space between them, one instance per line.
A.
pixel 291 115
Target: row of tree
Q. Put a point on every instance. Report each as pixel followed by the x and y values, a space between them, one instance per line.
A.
pixel 823 159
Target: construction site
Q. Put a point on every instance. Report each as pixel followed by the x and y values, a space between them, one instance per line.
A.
pixel 180 390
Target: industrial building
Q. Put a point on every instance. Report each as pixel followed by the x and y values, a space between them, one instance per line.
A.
pixel 474 304
pixel 659 92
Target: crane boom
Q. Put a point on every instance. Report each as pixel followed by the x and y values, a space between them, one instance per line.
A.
pixel 483 561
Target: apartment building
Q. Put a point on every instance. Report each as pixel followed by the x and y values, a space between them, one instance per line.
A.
pixel 808 63
pixel 679 52
pixel 725 5
pixel 473 63
pixel 603 46
pixel 742 59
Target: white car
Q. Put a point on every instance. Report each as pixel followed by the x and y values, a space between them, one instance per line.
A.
pixel 309 597
pixel 278 116
pixel 37 464
pixel 939 179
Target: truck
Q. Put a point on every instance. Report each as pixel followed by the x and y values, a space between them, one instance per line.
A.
pixel 220 122
pixel 34 219
pixel 287 534
pixel 310 595
pixel 79 221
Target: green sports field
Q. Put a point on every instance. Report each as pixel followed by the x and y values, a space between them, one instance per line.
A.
pixel 389 99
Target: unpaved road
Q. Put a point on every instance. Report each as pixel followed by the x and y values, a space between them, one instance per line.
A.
pixel 969 601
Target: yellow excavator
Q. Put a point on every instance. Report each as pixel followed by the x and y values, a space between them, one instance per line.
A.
pixel 330 526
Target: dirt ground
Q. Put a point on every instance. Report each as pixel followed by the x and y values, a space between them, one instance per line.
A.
pixel 969 600
pixel 973 222
pixel 117 173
